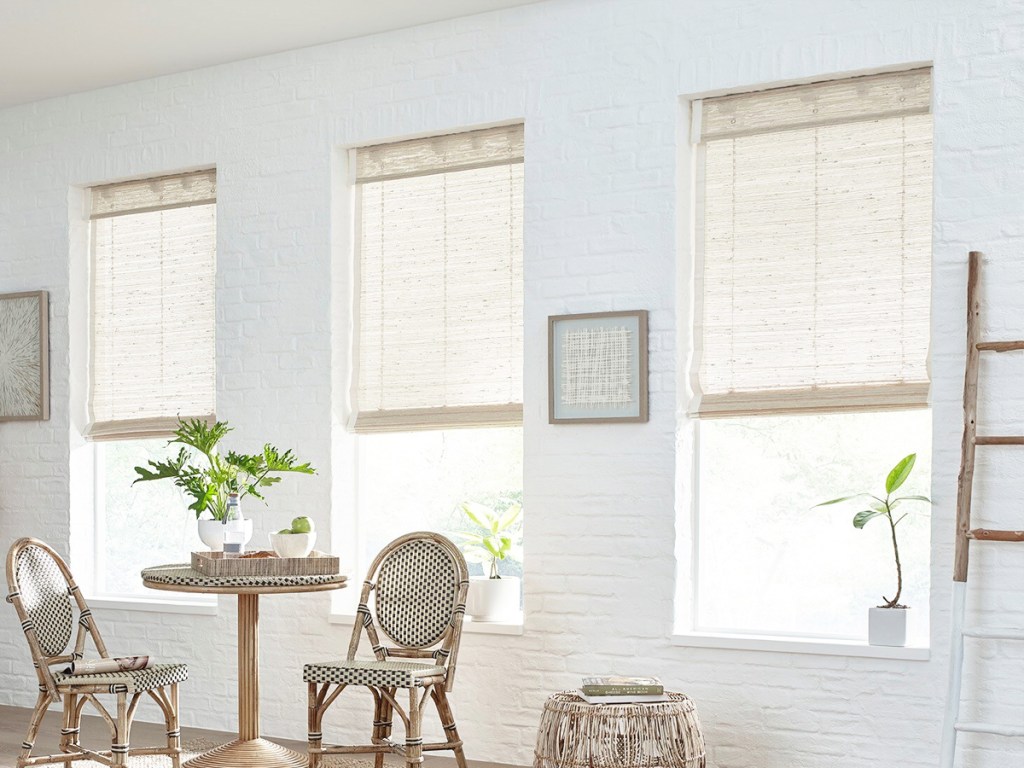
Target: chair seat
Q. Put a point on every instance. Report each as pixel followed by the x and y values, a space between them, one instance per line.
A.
pixel 384 674
pixel 134 681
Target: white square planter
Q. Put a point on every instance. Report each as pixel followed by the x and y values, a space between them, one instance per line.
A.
pixel 887 626
pixel 493 599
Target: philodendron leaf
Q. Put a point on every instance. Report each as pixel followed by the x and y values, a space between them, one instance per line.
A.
pixel 861 518
pixel 900 473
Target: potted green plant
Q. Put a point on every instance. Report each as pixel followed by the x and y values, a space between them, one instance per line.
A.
pixel 887 623
pixel 497 536
pixel 209 477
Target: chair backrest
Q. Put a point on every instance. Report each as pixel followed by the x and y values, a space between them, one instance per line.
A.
pixel 45 597
pixel 418 583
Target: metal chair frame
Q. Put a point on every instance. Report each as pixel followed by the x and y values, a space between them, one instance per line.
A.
pixel 321 696
pixel 74 696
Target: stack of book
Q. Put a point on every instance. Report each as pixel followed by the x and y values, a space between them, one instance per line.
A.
pixel 622 690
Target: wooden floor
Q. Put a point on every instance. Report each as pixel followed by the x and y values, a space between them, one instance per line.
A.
pixel 14 722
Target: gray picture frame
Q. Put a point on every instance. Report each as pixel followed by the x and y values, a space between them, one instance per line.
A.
pixel 24 332
pixel 597 367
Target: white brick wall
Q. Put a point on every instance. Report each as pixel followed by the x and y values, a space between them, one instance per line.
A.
pixel 598 83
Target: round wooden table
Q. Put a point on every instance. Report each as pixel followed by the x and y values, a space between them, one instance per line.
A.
pixel 248 749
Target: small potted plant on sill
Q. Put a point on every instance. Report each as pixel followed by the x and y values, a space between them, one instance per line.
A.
pixel 211 478
pixel 492 597
pixel 887 623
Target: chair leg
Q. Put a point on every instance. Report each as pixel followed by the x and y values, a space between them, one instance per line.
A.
pixel 119 744
pixel 451 731
pixel 378 725
pixel 70 724
pixel 413 734
pixel 173 726
pixel 383 717
pixel 388 714
pixel 314 720
pixel 42 704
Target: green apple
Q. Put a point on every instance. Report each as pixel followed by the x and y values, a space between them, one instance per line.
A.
pixel 285 530
pixel 302 525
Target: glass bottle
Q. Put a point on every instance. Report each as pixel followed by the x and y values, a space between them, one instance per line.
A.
pixel 234 528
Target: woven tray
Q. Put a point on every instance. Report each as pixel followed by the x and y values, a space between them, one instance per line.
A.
pixel 215 564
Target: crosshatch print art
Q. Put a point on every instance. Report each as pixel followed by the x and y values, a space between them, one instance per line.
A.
pixel 597 367
pixel 24 373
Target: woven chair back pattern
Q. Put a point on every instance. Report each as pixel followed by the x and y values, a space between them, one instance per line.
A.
pixel 416 591
pixel 45 598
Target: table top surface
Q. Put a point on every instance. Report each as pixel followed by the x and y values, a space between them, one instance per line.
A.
pixel 181 577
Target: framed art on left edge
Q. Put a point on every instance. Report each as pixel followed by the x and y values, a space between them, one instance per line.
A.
pixel 597 367
pixel 24 356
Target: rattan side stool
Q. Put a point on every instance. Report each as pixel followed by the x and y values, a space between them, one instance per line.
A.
pixel 574 734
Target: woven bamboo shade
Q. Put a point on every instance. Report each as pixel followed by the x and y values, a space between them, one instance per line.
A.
pixel 440 272
pixel 814 281
pixel 152 305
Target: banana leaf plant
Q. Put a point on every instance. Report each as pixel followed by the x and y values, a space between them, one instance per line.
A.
pixel 887 508
pixel 208 476
pixel 497 537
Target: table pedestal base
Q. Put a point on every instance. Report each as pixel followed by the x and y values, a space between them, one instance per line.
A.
pixel 253 752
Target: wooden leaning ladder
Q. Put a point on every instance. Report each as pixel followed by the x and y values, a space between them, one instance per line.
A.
pixel 964 533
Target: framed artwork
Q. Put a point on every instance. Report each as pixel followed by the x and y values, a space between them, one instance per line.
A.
pixel 24 359
pixel 597 367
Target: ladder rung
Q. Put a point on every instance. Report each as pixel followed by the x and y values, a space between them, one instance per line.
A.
pixel 999 440
pixel 994 633
pixel 988 534
pixel 1000 346
pixel 997 730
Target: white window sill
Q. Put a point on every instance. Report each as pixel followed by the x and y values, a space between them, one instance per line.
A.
pixel 138 603
pixel 800 645
pixel 469 626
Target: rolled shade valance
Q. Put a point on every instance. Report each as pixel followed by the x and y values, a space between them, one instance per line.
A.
pixel 440 333
pixel 440 154
pixel 814 275
pixel 160 194
pixel 152 306
pixel 855 99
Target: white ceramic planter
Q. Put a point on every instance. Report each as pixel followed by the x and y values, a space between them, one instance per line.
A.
pixel 493 599
pixel 212 532
pixel 887 626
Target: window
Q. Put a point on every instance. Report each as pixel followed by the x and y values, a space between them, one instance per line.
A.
pixel 151 361
pixel 437 389
pixel 810 366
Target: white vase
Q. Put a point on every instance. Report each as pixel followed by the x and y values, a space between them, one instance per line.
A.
pixel 211 532
pixel 493 599
pixel 887 626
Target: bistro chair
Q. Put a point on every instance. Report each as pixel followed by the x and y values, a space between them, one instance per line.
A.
pixel 42 590
pixel 418 583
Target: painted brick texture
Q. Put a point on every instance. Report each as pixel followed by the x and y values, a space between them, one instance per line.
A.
pixel 599 85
